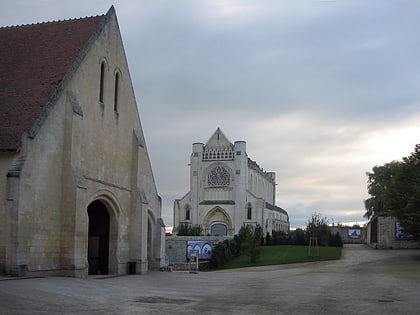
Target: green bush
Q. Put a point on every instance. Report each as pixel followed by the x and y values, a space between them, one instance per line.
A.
pixel 187 229
pixel 251 239
pixel 223 252
pixel 335 240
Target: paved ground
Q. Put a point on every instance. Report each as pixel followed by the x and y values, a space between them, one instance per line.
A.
pixel 365 281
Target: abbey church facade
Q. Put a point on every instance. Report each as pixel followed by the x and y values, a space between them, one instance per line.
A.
pixel 228 190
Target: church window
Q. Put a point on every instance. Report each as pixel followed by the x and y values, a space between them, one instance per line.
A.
pixel 249 212
pixel 218 176
pixel 101 82
pixel 187 213
pixel 218 229
pixel 116 90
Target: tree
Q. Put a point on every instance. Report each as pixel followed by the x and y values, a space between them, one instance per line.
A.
pixel 250 242
pixel 404 194
pixel 395 189
pixel 379 184
pixel 317 226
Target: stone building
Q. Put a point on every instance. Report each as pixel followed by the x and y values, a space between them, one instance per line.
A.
pixel 384 232
pixel 77 192
pixel 228 190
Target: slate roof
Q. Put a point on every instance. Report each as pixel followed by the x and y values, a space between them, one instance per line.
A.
pixel 34 60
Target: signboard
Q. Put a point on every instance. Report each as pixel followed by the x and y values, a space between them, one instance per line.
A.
pixel 355 233
pixel 194 261
pixel 204 249
pixel 400 233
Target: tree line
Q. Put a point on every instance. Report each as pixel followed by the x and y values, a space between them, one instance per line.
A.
pixel 394 189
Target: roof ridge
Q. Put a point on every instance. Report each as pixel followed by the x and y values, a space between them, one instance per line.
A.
pixel 51 22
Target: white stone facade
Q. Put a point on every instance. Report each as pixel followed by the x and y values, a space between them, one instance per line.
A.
pixel 228 190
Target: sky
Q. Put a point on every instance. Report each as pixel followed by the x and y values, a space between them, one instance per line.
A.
pixel 321 91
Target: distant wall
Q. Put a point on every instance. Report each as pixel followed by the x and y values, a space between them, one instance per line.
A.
pixel 350 235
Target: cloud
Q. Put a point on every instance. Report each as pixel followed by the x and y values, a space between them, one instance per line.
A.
pixel 321 91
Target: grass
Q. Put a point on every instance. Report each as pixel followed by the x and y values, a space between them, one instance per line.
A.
pixel 285 254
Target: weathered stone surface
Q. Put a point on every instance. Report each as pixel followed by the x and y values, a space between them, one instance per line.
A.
pixel 82 150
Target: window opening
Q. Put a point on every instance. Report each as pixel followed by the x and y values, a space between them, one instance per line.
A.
pixel 249 212
pixel 218 229
pixel 116 91
pixel 101 82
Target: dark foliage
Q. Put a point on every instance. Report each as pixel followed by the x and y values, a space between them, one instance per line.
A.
pixel 186 229
pixel 395 190
pixel 223 252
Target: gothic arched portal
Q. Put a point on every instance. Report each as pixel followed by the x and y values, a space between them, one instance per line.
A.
pixel 217 221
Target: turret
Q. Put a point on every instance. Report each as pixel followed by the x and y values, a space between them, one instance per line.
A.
pixel 196 157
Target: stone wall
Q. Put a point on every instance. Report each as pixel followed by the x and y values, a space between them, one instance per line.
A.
pixel 176 248
pixel 5 164
pixel 350 235
pixel 385 236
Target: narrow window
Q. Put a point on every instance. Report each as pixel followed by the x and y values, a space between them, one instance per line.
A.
pixel 101 83
pixel 249 212
pixel 187 213
pixel 116 91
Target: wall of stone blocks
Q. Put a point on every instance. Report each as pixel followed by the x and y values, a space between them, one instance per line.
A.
pixel 176 246
pixel 5 162
pixel 344 234
pixel 386 238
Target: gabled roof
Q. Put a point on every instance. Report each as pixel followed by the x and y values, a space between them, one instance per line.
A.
pixel 34 61
pixel 218 141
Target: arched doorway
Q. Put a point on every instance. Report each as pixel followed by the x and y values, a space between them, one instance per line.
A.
pixel 217 222
pixel 218 229
pixel 98 243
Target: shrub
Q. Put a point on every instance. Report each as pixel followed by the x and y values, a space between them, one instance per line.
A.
pixel 187 229
pixel 335 240
pixel 223 252
pixel 250 241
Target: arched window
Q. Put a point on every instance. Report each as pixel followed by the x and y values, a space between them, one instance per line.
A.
pixel 249 211
pixel 187 213
pixel 101 82
pixel 219 229
pixel 218 176
pixel 116 90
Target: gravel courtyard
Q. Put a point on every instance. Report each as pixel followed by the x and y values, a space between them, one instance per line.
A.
pixel 364 281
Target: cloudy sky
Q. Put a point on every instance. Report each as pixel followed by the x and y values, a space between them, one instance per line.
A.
pixel 321 91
